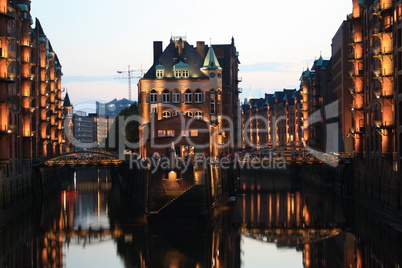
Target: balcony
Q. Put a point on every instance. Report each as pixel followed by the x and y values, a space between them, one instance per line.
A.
pixel 381 6
pixel 7 11
pixel 379 73
pixel 353 56
pixel 359 130
pixel 383 125
pixel 353 73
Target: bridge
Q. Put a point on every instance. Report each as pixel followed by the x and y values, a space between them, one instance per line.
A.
pixel 80 158
pixel 292 154
pixel 292 236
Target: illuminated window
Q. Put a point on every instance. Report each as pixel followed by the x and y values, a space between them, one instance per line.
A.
pixel 166 96
pixel 198 96
pixel 198 115
pixel 181 73
pixel 161 133
pixel 166 114
pixel 212 106
pixel 185 133
pixel 176 97
pixel 159 73
pixel 194 132
pixel 188 96
pixel 170 133
pixel 189 114
pixel 153 96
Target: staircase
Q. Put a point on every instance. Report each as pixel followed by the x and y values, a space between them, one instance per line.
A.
pixel 190 202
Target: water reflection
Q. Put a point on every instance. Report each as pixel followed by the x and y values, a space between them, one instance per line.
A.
pixel 277 221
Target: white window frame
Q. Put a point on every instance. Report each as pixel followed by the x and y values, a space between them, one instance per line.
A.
pixel 188 96
pixel 159 73
pixel 166 96
pixel 198 115
pixel 198 96
pixel 166 114
pixel 176 97
pixel 153 96
pixel 212 107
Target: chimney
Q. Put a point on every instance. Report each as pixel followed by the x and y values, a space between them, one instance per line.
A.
pixel 157 50
pixel 201 48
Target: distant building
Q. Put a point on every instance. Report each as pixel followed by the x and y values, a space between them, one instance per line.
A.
pixel 190 97
pixel 112 108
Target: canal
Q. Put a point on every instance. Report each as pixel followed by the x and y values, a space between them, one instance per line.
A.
pixel 276 221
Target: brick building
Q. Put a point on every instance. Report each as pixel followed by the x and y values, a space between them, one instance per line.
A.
pixel 190 93
pixel 31 111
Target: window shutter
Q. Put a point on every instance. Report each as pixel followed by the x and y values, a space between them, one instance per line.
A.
pixel 183 95
pixel 147 98
pixel 203 96
pixel 159 98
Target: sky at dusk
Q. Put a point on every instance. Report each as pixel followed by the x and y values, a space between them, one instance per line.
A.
pixel 276 40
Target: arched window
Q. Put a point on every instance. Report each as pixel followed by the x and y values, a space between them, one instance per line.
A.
pixel 166 96
pixel 175 113
pixel 198 96
pixel 176 96
pixel 166 114
pixel 153 96
pixel 188 96
pixel 212 106
pixel 189 114
pixel 198 115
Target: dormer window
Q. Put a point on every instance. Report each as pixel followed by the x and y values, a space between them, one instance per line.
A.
pixel 181 70
pixel 181 73
pixel 160 71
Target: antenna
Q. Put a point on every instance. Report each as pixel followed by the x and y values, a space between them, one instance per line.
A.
pixel 129 76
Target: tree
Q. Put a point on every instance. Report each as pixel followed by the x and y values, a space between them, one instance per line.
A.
pixel 130 131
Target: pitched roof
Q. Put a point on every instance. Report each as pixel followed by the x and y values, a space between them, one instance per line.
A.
pixel 211 61
pixel 67 102
pixel 170 57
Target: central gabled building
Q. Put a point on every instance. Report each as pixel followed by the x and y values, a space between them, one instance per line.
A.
pixel 189 97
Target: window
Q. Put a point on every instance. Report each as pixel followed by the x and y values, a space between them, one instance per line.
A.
pixel 166 96
pixel 198 96
pixel 198 115
pixel 176 97
pixel 153 96
pixel 161 133
pixel 175 113
pixel 159 73
pixel 212 106
pixel 170 133
pixel 181 73
pixel 166 114
pixel 194 132
pixel 185 133
pixel 189 114
pixel 188 96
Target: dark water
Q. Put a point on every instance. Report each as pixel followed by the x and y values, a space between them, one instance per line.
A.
pixel 276 221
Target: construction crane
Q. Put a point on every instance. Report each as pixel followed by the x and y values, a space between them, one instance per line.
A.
pixel 129 76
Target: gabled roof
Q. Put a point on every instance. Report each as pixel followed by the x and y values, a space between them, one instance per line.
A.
pixel 170 57
pixel 38 28
pixel 323 64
